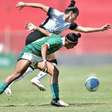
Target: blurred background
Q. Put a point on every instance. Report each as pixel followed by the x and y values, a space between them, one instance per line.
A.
pixel 93 48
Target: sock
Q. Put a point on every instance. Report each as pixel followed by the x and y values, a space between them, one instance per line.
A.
pixel 9 86
pixel 3 86
pixel 41 75
pixel 55 91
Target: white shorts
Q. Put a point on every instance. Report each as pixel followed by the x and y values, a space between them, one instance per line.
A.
pixel 31 57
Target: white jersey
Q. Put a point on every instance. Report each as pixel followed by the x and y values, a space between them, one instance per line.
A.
pixel 55 23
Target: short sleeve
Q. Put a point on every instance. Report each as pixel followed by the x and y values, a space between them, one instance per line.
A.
pixel 53 12
pixel 73 26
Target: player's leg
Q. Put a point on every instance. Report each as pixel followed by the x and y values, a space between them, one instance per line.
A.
pixel 21 67
pixel 35 35
pixel 29 39
pixel 8 90
pixel 37 80
pixel 54 72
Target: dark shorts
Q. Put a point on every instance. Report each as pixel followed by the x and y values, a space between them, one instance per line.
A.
pixel 33 36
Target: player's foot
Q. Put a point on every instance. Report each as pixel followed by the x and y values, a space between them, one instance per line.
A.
pixel 38 84
pixel 8 91
pixel 59 103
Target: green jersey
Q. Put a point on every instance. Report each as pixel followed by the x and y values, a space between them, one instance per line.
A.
pixel 54 42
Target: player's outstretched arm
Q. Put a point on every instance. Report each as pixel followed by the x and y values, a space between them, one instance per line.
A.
pixel 33 5
pixel 32 27
pixel 90 29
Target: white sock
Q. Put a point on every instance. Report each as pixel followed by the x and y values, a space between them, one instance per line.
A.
pixel 40 75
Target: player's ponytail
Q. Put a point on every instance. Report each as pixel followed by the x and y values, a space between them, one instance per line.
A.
pixel 72 8
pixel 72 3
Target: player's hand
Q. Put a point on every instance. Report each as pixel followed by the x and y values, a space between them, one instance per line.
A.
pixel 106 27
pixel 30 27
pixel 20 5
pixel 44 65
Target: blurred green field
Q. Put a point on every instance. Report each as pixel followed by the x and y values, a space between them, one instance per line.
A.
pixel 27 98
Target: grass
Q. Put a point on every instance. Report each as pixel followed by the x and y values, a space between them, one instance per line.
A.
pixel 27 98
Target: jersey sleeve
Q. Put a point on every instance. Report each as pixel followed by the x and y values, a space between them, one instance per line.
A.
pixel 73 26
pixel 53 12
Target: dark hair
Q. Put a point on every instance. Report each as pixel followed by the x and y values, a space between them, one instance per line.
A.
pixel 72 7
pixel 72 3
pixel 73 37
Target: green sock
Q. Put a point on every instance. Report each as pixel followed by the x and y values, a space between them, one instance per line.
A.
pixel 55 91
pixel 3 86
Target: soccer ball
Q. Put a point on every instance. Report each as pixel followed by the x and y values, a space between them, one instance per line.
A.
pixel 92 83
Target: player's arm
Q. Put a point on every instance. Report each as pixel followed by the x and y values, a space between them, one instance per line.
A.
pixel 44 31
pixel 44 50
pixel 32 27
pixel 33 5
pixel 90 29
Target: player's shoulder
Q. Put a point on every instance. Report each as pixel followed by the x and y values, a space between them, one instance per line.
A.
pixel 54 11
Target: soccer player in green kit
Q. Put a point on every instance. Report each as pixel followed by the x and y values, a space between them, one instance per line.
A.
pixel 56 23
pixel 35 54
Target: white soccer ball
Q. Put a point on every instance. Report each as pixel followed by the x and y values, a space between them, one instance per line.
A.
pixel 92 83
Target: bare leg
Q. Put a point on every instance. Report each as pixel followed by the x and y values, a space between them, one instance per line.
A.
pixel 53 71
pixel 21 67
pixel 37 79
pixel 8 90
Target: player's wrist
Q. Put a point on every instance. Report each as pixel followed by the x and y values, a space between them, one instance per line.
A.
pixel 21 3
